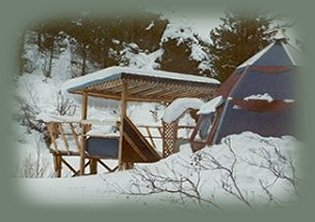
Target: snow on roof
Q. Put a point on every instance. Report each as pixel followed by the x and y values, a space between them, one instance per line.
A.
pixel 289 100
pixel 211 106
pixel 265 96
pixel 116 71
pixel 280 35
pixel 294 54
pixel 179 106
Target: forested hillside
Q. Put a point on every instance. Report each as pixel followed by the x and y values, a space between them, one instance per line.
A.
pixel 96 43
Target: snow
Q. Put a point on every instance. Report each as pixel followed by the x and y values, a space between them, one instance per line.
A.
pixel 30 150
pixel 289 100
pixel 198 53
pixel 150 26
pixel 295 55
pixel 179 106
pixel 133 46
pixel 265 96
pixel 112 72
pixel 184 31
pixel 53 118
pixel 65 119
pixel 210 107
pixel 180 31
pixel 115 41
pixel 140 60
pixel 280 35
pixel 116 188
pixel 236 107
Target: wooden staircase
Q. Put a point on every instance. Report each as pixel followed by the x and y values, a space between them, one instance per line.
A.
pixel 135 146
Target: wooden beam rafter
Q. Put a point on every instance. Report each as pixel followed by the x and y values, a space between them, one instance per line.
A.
pixel 83 138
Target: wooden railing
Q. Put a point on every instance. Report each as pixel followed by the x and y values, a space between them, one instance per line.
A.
pixel 151 137
pixel 73 131
pixel 66 141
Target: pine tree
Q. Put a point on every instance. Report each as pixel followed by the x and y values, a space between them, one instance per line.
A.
pixel 176 58
pixel 237 39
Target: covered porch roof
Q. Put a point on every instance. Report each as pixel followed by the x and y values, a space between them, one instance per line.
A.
pixel 142 85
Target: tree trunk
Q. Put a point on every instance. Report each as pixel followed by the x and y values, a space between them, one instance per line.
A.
pixel 39 40
pixel 51 57
pixel 21 55
pixel 84 57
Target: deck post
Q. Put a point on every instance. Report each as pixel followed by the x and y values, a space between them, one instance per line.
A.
pixel 83 137
pixel 93 166
pixel 123 113
pixel 58 165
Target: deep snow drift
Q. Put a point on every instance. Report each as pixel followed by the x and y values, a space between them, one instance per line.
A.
pixel 245 170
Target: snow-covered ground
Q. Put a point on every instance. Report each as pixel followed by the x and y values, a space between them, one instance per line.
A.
pixel 266 173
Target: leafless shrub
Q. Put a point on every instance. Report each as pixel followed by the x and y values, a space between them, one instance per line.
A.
pixel 184 189
pixel 34 165
pixel 187 186
pixel 228 180
pixel 31 168
pixel 65 106
pixel 26 115
pixel 281 166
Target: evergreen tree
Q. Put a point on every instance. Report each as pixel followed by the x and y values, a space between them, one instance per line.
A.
pixel 237 39
pixel 50 36
pixel 176 58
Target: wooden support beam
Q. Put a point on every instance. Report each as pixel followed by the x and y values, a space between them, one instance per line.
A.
pixel 93 166
pixel 150 136
pixel 153 92
pixel 161 131
pixel 107 167
pixel 129 166
pixel 143 88
pixel 123 113
pixel 133 85
pixel 107 85
pixel 55 163
pixel 52 134
pixel 83 138
pixel 135 147
pixel 64 137
pixel 70 167
pixel 85 165
pixel 114 169
pixel 64 153
pixel 75 136
pixel 104 95
pixel 58 166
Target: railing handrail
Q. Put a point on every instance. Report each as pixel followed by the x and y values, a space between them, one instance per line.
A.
pixel 148 135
